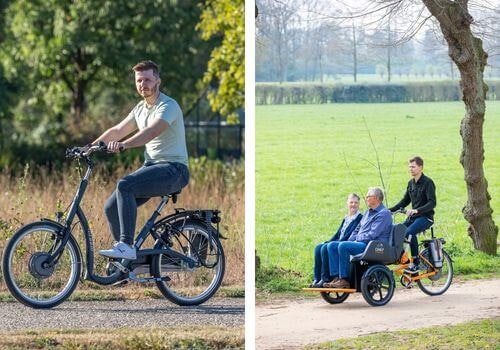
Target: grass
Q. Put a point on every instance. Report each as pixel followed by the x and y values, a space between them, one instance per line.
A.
pixel 135 291
pixel 483 334
pixel 36 193
pixel 194 337
pixel 309 157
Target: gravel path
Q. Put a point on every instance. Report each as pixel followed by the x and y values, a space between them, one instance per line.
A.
pixel 130 313
pixel 295 322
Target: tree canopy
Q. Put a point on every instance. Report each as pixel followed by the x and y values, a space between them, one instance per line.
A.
pixel 71 61
pixel 225 18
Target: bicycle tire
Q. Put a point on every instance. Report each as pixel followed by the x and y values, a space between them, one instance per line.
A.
pixel 447 266
pixel 25 275
pixel 377 285
pixel 185 283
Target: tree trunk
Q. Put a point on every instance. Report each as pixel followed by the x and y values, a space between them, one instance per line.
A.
pixel 468 54
pixel 354 53
pixel 78 102
pixel 389 50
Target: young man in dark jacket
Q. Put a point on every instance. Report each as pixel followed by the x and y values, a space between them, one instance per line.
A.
pixel 421 193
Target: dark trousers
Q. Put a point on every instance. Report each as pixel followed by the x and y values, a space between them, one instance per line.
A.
pixel 413 227
pixel 137 188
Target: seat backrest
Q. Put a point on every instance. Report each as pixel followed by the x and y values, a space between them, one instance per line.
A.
pixel 397 237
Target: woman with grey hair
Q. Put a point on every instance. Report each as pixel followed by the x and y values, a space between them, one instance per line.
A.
pixel 347 226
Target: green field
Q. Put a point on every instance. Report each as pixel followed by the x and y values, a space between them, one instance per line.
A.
pixel 309 157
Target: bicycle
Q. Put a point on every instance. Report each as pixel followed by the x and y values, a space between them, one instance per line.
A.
pixel 42 262
pixel 375 280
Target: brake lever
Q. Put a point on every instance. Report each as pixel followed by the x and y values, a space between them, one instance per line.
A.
pixel 74 152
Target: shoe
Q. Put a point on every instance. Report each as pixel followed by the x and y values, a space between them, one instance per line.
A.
pixel 329 283
pixel 318 284
pixel 120 250
pixel 412 269
pixel 341 284
pixel 313 283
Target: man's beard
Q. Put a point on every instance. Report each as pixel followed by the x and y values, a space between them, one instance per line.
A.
pixel 150 92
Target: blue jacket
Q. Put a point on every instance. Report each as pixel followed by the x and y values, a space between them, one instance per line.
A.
pixel 348 231
pixel 375 225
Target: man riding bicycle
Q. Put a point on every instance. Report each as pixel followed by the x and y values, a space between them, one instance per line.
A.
pixel 161 129
pixel 421 193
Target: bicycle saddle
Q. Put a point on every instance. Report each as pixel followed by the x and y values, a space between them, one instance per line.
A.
pixel 174 195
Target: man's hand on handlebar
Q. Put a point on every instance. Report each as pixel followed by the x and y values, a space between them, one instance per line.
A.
pixel 408 213
pixel 115 147
pixel 411 212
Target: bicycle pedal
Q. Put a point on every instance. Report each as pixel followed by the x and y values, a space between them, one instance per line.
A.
pixel 406 282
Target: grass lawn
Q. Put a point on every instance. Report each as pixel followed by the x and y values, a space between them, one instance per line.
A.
pixel 309 157
pixel 189 337
pixel 471 335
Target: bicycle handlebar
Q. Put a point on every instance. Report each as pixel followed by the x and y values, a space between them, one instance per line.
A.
pixel 83 152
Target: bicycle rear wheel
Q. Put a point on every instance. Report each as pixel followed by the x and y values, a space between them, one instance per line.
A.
pixel 28 273
pixel 441 281
pixel 190 285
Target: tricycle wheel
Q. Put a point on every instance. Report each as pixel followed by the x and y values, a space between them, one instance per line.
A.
pixel 334 297
pixel 377 285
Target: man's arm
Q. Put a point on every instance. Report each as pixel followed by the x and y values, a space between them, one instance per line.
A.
pixel 118 132
pixel 403 202
pixel 142 137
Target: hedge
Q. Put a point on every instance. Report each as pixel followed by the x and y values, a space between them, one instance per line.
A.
pixel 364 93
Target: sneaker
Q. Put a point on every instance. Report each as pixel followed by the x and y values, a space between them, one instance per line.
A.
pixel 412 269
pixel 313 283
pixel 120 250
pixel 318 284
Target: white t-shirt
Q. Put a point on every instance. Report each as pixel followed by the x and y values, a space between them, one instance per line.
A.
pixel 169 146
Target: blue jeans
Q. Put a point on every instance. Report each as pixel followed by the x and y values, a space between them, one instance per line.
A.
pixel 345 250
pixel 321 262
pixel 333 258
pixel 135 189
pixel 413 227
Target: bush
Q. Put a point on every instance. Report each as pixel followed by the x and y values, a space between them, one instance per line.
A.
pixel 269 94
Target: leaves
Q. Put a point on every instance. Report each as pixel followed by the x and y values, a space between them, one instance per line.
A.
pixel 227 65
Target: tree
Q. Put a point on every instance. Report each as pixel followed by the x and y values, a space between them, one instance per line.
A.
pixel 226 18
pixel 64 51
pixel 466 50
pixel 276 25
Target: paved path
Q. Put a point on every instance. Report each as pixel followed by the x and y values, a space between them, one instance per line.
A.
pixel 130 313
pixel 285 324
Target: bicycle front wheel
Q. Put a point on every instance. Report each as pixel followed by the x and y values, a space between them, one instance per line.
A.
pixel 190 285
pixel 441 281
pixel 28 272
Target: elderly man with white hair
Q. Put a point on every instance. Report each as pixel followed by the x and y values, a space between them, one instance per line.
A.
pixel 376 224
